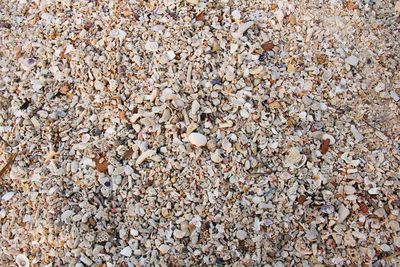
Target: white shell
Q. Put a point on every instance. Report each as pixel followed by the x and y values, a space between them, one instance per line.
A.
pixel 167 94
pixel 197 139
pixel 22 260
pixel 7 196
pixel 127 251
pixel 343 213
pixel 147 154
pixel 330 137
pixel 241 235
pixel 151 46
pixel 351 60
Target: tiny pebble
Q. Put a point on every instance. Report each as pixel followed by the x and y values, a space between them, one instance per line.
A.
pixel 7 196
pixel 179 234
pixel 241 235
pixel 127 252
pixel 197 139
pixel 373 191
pixel 343 213
pixel 164 249
pixel 352 60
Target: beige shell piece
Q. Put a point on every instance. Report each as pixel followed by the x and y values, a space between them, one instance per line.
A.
pixel 295 159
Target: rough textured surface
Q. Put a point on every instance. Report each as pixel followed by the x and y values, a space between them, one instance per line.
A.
pixel 298 104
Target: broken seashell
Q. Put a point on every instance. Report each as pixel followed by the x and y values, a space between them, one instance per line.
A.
pixel 22 260
pixel 197 139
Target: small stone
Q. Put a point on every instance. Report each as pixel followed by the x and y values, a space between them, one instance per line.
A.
pixel 397 6
pixel 373 191
pixel 193 2
pixel 147 154
pixel 279 15
pixel 134 232
pixel 349 190
pixel 241 235
pixel 236 14
pixel 85 260
pixel 167 94
pixel 179 234
pixel 395 96
pixel 230 73
pixel 293 156
pixel 98 85
pixel 292 19
pixel 357 135
pixel 343 213
pixel 352 60
pixel 66 214
pixel 113 84
pixel 215 156
pixel 381 213
pixel 164 249
pixel 7 196
pixel 385 248
pixel 197 139
pixel 151 46
pixel 308 85
pixel 127 251
pixel 311 234
pixel 195 107
pixel 380 87
pixel 170 55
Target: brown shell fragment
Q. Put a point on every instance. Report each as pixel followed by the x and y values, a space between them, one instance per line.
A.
pixel 267 46
pixel 325 146
pixel 101 164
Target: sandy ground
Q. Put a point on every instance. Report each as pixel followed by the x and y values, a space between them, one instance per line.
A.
pixel 199 133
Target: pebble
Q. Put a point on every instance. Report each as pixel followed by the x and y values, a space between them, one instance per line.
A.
pixel 197 139
pixel 373 191
pixel 145 155
pixel 7 196
pixel 99 85
pixel 216 157
pixel 179 234
pixel 66 214
pixel 385 248
pixel 151 46
pixel 134 232
pixel 357 135
pixel 195 107
pixel 164 249
pixel 241 235
pixel 85 260
pixel 127 251
pixel 170 55
pixel 343 213
pixel 394 96
pixel 349 190
pixel 236 14
pixel 352 60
